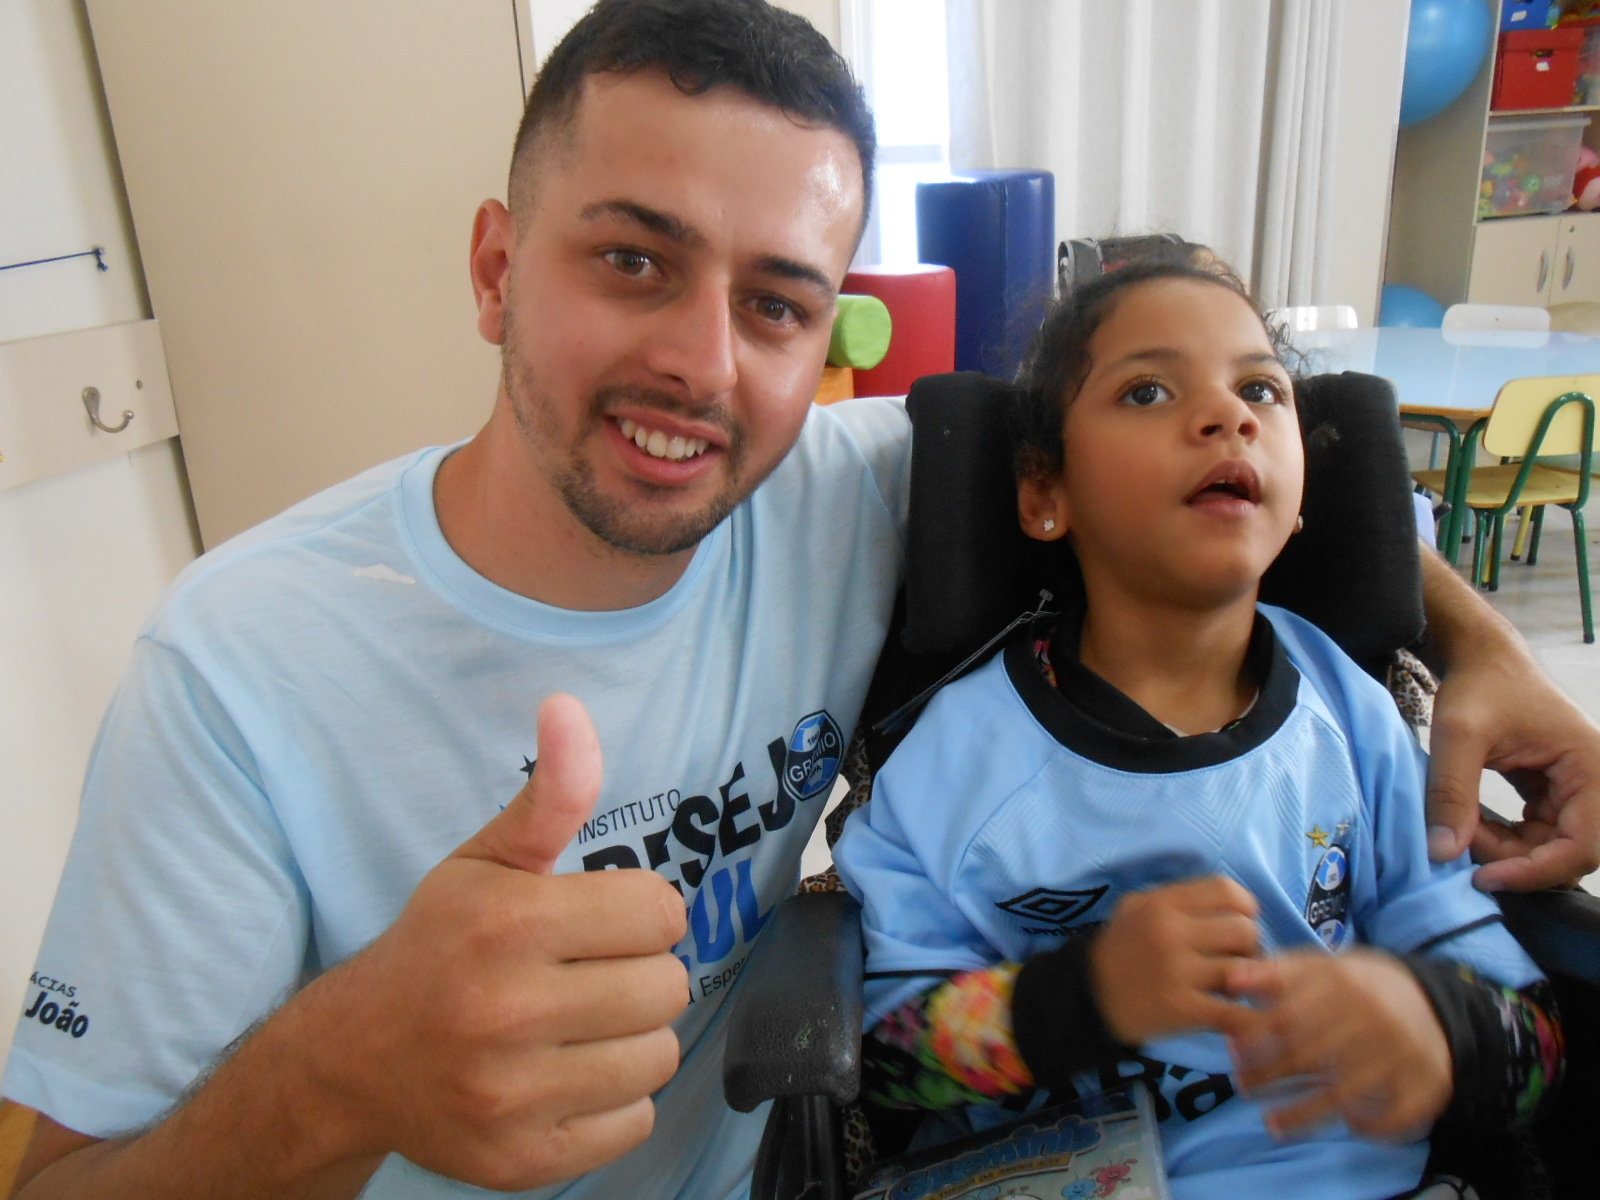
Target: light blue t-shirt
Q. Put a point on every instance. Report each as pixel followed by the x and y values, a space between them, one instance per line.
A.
pixel 325 707
pixel 1008 821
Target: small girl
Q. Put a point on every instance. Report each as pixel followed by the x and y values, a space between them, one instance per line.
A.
pixel 1174 835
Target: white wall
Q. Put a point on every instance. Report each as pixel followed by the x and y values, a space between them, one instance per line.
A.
pixel 549 19
pixel 83 556
pixel 824 14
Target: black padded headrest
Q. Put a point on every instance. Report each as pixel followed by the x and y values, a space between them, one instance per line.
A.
pixel 1355 570
pixel 969 566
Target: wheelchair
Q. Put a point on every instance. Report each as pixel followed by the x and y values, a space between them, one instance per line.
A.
pixel 794 1032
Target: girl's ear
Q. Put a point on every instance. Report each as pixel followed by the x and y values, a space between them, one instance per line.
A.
pixel 1042 508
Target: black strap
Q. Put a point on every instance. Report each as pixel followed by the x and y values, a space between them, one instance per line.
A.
pixel 1056 1020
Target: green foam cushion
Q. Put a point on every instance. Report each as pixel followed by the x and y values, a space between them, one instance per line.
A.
pixel 861 330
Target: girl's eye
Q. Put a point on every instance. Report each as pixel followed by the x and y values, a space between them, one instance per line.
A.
pixel 1146 395
pixel 629 262
pixel 1261 391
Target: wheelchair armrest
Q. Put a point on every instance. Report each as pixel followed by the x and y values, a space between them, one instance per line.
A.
pixel 795 1024
pixel 1559 930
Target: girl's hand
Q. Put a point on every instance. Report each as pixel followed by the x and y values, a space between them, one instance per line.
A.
pixel 1358 1029
pixel 1161 963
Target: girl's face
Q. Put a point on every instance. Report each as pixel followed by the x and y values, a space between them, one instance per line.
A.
pixel 1183 464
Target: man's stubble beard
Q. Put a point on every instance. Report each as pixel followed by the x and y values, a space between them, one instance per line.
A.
pixel 608 517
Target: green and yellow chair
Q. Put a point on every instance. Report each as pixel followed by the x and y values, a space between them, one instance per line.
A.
pixel 1532 419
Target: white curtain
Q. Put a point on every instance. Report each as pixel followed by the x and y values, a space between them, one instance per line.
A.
pixel 1213 119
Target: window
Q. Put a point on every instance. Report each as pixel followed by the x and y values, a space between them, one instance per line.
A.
pixel 898 52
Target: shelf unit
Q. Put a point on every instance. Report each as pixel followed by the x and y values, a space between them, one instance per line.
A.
pixel 1543 112
pixel 1437 241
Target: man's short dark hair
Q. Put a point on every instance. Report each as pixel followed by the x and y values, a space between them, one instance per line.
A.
pixel 775 56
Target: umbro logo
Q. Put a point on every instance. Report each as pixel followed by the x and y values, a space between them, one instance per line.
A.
pixel 1053 905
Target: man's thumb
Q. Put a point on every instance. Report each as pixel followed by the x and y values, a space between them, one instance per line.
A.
pixel 544 817
pixel 1453 778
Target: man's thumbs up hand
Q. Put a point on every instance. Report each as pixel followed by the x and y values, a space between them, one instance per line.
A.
pixel 509 1028
pixel 556 801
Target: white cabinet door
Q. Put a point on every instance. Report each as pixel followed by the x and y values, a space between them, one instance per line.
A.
pixel 1513 261
pixel 1576 270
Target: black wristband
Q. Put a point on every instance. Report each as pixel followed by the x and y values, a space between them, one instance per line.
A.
pixel 1056 1020
pixel 1490 1059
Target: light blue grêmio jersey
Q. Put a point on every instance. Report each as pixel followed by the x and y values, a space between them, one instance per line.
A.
pixel 327 706
pixel 1008 821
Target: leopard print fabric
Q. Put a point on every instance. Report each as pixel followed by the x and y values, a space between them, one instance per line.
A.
pixel 859 775
pixel 859 778
pixel 822 881
pixel 859 1149
pixel 1413 687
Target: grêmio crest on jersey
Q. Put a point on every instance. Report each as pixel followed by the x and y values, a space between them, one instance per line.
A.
pixel 1328 901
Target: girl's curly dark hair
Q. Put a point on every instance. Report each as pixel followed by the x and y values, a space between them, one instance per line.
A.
pixel 1058 360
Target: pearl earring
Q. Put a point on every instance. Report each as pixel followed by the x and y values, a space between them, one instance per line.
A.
pixel 1049 524
pixel 1299 524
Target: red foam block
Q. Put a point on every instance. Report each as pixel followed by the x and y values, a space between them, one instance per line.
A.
pixel 921 301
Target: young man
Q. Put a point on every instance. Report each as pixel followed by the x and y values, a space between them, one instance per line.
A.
pixel 328 707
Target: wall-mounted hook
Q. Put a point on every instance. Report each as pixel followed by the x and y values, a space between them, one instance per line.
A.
pixel 91 403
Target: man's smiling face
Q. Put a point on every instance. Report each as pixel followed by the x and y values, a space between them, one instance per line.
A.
pixel 669 301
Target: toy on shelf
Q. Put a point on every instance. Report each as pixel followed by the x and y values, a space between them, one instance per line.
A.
pixel 1586 18
pixel 1586 183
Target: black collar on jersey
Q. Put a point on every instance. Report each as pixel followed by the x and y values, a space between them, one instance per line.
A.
pixel 1092 718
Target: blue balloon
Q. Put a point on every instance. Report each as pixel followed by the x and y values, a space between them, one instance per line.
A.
pixel 1448 42
pixel 1410 307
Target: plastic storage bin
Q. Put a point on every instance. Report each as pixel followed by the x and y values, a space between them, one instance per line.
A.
pixel 1528 165
pixel 1537 68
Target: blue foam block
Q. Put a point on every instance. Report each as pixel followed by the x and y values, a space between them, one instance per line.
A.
pixel 996 229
